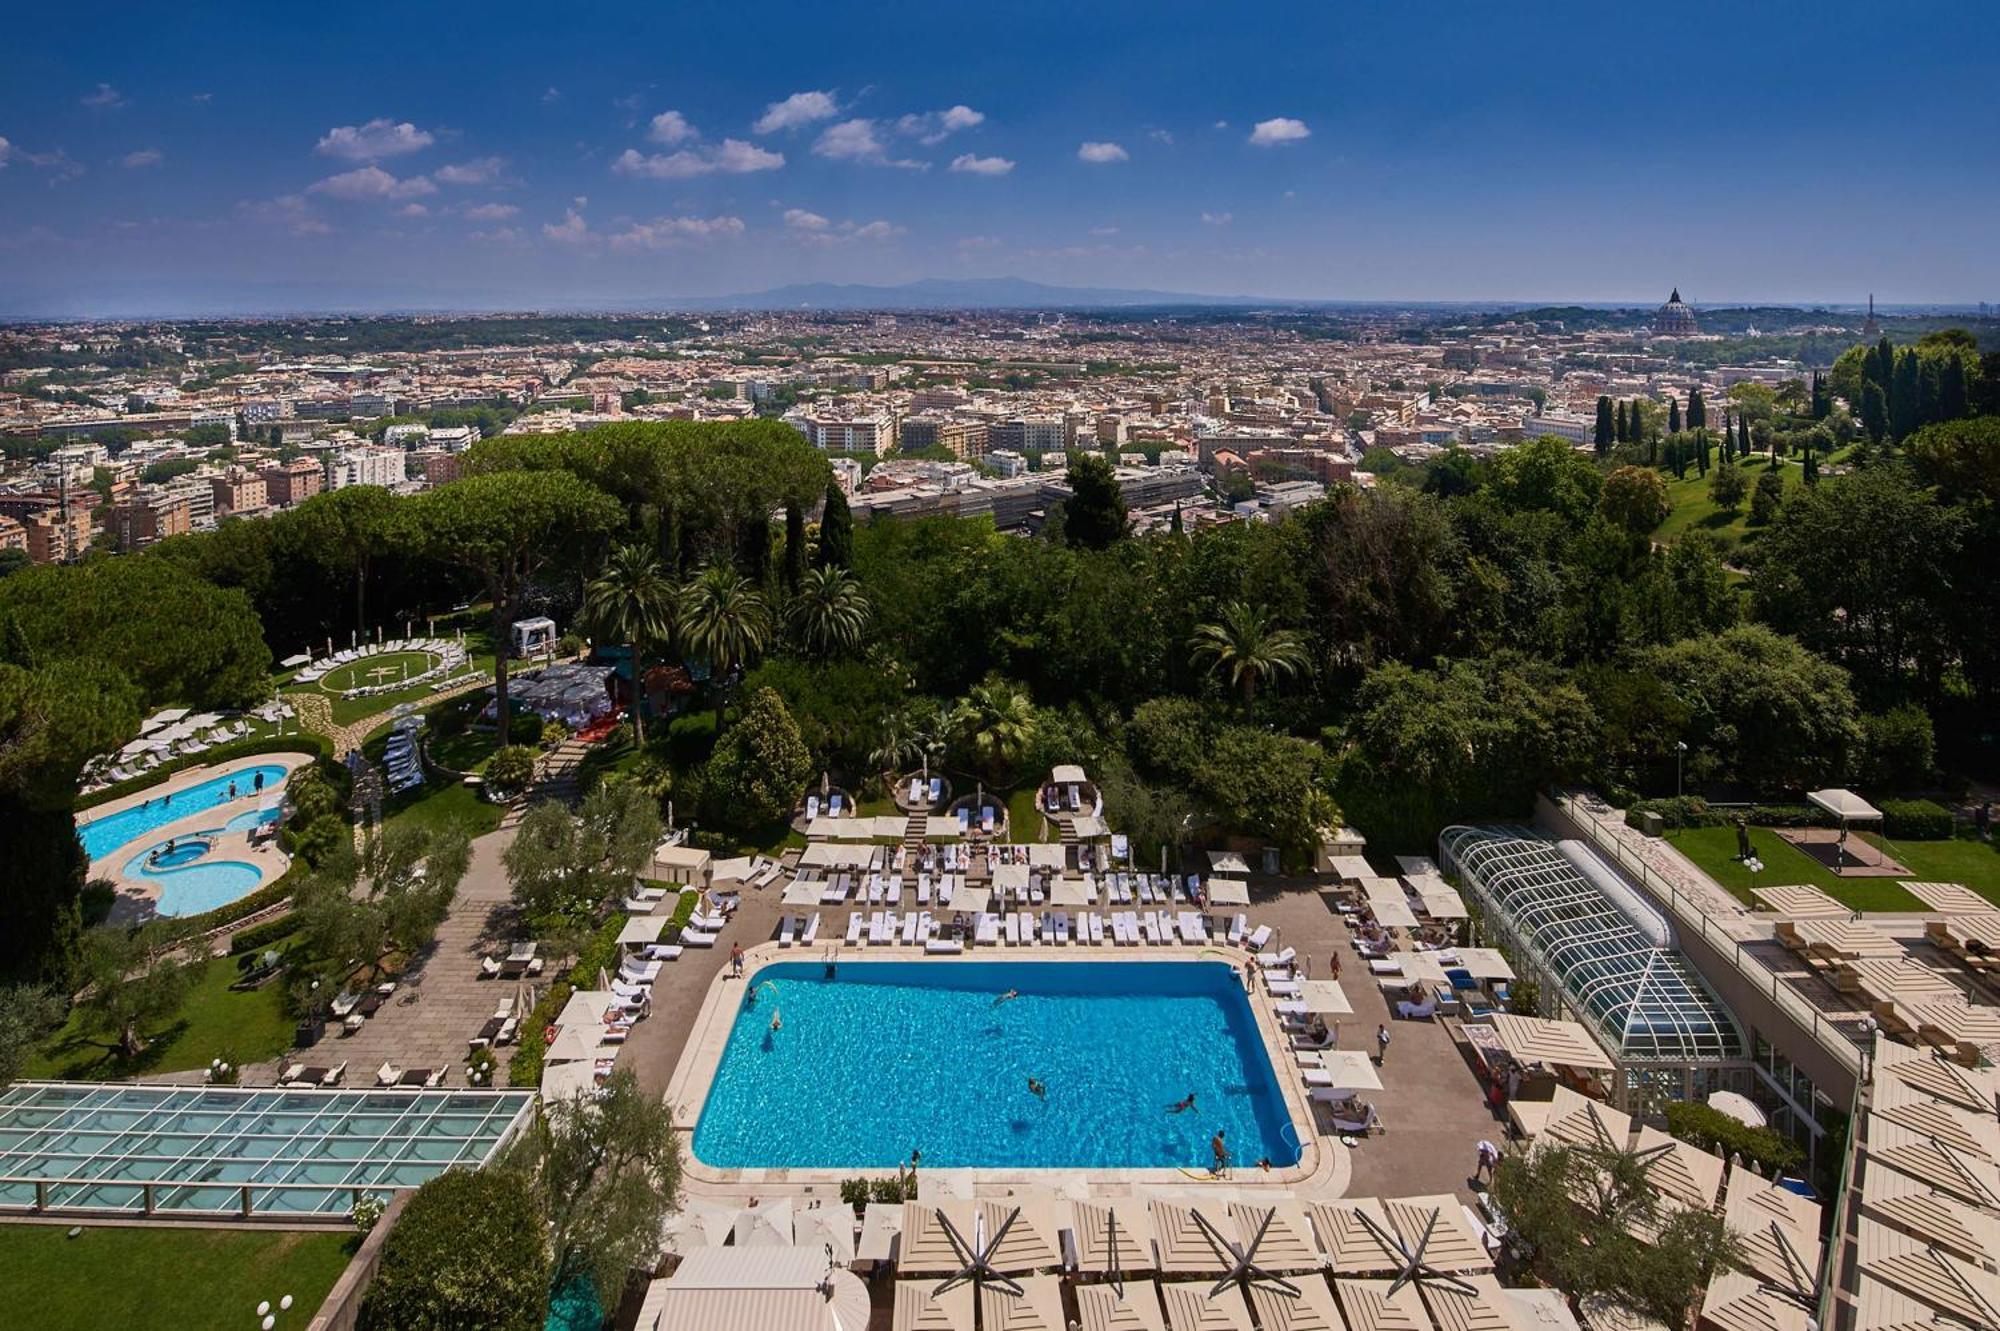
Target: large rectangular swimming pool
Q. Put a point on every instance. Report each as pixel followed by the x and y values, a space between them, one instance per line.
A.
pixel 879 1059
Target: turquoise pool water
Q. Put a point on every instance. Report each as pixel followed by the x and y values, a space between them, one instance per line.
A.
pixel 101 836
pixel 889 1057
pixel 190 882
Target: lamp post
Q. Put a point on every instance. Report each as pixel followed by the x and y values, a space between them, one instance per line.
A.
pixel 1680 810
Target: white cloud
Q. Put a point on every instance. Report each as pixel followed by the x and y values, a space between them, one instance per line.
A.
pixel 202 98
pixel 669 232
pixel 805 221
pixel 413 210
pixel 379 138
pixel 290 211
pixel 734 157
pixel 1281 129
pixel 6 150
pixel 105 98
pixel 478 171
pixel 850 139
pixel 572 230
pixel 801 108
pixel 57 162
pixel 1160 136
pixel 671 127
pixel 550 97
pixel 143 157
pixel 934 127
pixel 490 212
pixel 503 235
pixel 981 166
pixel 878 230
pixel 810 228
pixel 371 182
pixel 1101 153
pixel 1218 219
pixel 971 243
pixel 1104 231
pixel 1222 124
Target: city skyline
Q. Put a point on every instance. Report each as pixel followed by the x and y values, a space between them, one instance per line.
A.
pixel 264 161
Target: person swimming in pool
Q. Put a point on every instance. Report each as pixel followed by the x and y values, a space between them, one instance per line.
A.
pixel 1007 997
pixel 232 790
pixel 1036 1089
pixel 258 784
pixel 777 1021
pixel 1182 1106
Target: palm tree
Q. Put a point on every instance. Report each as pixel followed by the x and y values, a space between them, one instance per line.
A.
pixel 725 621
pixel 829 612
pixel 910 734
pixel 633 602
pixel 1249 648
pixel 996 722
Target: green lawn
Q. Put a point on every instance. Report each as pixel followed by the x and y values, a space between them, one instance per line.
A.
pixel 435 806
pixel 1694 511
pixel 252 1026
pixel 117 1276
pixel 1966 860
pixel 1024 820
pixel 346 711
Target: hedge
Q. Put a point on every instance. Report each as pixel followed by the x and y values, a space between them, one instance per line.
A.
pixel 260 936
pixel 1917 820
pixel 302 742
pixel 1713 1130
pixel 1694 811
pixel 468 1251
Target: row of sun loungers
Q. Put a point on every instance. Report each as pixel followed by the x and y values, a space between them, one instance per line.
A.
pixel 403 767
pixel 1059 928
pixel 302 1075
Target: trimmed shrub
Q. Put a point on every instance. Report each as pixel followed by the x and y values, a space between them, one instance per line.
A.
pixel 1713 1130
pixel 1917 820
pixel 1694 811
pixel 511 768
pixel 468 1250
pixel 260 936
pixel 524 1069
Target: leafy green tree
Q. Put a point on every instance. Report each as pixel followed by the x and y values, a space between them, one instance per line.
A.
pixel 1960 457
pixel 1899 748
pixel 995 725
pixel 511 768
pixel 1874 411
pixel 1244 645
pixel 1578 1213
pixel 758 771
pixel 352 527
pixel 634 602
pixel 1906 395
pixel 724 621
pixel 470 1250
pixel 506 527
pixel 1094 515
pixel 829 613
pixel 135 981
pixel 28 1012
pixel 1763 712
pixel 836 531
pixel 1728 486
pixel 1635 498
pixel 608 1171
pixel 1765 500
pixel 356 911
pixel 1546 475
pixel 560 867
pixel 844 708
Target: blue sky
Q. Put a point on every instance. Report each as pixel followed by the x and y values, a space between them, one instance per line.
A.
pixel 540 155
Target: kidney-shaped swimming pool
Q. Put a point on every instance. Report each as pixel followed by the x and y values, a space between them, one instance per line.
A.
pixel 880 1059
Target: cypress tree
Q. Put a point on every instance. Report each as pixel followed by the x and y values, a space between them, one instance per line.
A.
pixel 1620 430
pixel 1743 428
pixel 836 530
pixel 1673 415
pixel 1701 451
pixel 1906 395
pixel 1811 475
pixel 1602 435
pixel 1697 411
pixel 1952 397
pixel 1874 411
pixel 753 549
pixel 1175 525
pixel 795 547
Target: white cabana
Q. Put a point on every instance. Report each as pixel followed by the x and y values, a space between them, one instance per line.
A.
pixel 1067 774
pixel 1389 905
pixel 1845 805
pixel 1046 855
pixel 970 899
pixel 1352 1070
pixel 1484 963
pixel 1325 997
pixel 734 870
pixel 802 892
pixel 1088 827
pixel 1350 868
pixel 1228 892
pixel 642 929
pixel 1069 892
pixel 1011 877
pixel 1539 1040
pixel 1227 862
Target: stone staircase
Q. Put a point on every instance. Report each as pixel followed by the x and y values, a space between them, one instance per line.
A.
pixel 556 777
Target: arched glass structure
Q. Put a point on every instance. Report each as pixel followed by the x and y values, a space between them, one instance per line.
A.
pixel 1580 927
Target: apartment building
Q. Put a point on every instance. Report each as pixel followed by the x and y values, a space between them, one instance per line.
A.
pixel 365 466
pixel 13 536
pixel 238 490
pixel 290 483
pixel 148 517
pixel 873 433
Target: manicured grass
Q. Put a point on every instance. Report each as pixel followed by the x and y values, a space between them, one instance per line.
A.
pixel 117 1276
pixel 1966 860
pixel 437 806
pixel 1024 820
pixel 251 1026
pixel 1694 511
pixel 346 711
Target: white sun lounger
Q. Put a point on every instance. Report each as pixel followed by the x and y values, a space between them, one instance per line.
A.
pixel 878 928
pixel 943 946
pixel 811 931
pixel 1013 930
pixel 856 922
pixel 1285 958
pixel 986 929
pixel 696 938
pixel 639 972
pixel 1150 924
pixel 1259 938
pixel 785 923
pixel 812 807
pixel 1194 929
pixel 1238 928
pixel 661 952
pixel 923 889
pixel 1028 931
pixel 910 922
pixel 1283 988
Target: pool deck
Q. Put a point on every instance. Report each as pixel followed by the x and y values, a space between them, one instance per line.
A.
pixel 136 896
pixel 1322 1169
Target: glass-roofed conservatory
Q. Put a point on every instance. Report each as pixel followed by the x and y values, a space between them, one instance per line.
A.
pixel 237 1150
pixel 1601 951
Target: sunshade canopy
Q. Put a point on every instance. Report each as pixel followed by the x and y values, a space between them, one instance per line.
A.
pixel 1228 892
pixel 1845 805
pixel 1540 1040
pixel 1134 1306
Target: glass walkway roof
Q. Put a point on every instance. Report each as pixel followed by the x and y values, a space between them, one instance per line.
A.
pixel 236 1150
pixel 1611 953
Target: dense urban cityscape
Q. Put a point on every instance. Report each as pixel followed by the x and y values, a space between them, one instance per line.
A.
pixel 1105 668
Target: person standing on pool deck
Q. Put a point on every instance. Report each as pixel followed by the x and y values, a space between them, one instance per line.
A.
pixel 736 959
pixel 1220 1150
pixel 1381 1045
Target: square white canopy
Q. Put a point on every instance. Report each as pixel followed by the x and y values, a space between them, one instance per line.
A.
pixel 1845 805
pixel 1228 892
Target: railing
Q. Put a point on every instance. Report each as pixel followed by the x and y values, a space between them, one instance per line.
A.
pixel 147 1202
pixel 1610 840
